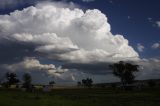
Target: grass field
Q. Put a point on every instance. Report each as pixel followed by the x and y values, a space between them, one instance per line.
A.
pixel 81 97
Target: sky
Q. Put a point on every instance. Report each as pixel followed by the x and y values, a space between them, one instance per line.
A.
pixel 68 40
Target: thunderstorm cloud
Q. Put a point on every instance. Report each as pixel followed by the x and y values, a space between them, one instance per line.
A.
pixel 79 39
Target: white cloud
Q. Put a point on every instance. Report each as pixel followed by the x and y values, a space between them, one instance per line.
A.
pixel 150 19
pixel 88 0
pixel 158 23
pixel 149 68
pixel 46 43
pixel 29 64
pixel 43 73
pixel 32 65
pixel 129 17
pixel 156 45
pixel 76 35
pixel 140 47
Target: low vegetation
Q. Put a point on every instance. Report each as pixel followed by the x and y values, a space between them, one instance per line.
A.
pixel 81 97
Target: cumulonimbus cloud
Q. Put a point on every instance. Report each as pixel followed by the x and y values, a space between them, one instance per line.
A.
pixel 75 34
pixel 64 34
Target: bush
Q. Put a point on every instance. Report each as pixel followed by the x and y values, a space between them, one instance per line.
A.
pixel 151 83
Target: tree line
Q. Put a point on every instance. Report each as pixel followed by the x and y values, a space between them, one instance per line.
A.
pixel 85 82
pixel 11 79
pixel 123 70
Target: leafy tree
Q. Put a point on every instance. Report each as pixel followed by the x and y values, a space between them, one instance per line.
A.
pixel 27 81
pixel 11 79
pixel 125 71
pixel 113 85
pixel 151 83
pixel 51 83
pixel 84 82
pixel 87 82
pixel 79 83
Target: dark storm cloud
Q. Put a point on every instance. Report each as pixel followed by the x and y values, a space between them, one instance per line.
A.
pixel 148 69
pixel 15 52
pixel 94 68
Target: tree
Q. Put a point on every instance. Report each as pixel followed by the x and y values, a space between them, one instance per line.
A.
pixel 84 82
pixel 27 81
pixel 125 71
pixel 79 83
pixel 151 83
pixel 87 82
pixel 51 83
pixel 11 79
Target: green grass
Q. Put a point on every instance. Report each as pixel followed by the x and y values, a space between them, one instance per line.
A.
pixel 81 97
